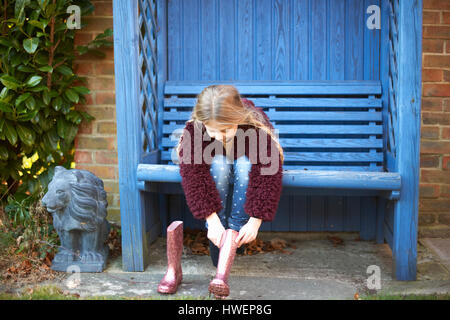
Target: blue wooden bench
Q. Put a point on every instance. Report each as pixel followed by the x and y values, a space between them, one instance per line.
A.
pixel 343 140
pixel 336 125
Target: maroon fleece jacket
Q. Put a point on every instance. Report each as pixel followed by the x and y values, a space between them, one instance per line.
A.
pixel 202 197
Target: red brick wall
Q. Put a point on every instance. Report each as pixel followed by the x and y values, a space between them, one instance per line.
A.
pixel 96 146
pixel 96 143
pixel 434 202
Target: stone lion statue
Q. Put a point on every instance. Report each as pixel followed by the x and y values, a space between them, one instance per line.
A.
pixel 77 201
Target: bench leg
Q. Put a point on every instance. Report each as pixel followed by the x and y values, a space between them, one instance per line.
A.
pixel 381 209
pixel 404 242
pixel 134 239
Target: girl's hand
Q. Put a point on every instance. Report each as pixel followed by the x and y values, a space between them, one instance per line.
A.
pixel 249 231
pixel 215 229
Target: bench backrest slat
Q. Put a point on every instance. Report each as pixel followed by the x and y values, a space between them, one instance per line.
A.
pixel 322 125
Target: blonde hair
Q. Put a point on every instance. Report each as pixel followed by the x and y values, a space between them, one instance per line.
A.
pixel 223 104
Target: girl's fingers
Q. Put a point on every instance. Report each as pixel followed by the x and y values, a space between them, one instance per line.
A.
pixel 239 237
pixel 244 239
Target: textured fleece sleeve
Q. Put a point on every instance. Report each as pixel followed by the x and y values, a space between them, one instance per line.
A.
pixel 202 196
pixel 264 191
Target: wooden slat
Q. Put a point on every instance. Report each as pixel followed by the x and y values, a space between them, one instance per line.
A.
pixel 307 129
pixel 287 166
pixel 175 101
pixel 313 143
pixel 285 87
pixel 297 178
pixel 320 156
pixel 298 115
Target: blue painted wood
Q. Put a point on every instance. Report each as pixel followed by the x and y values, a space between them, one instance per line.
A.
pixel 296 178
pixel 354 35
pixel 371 46
pixel 263 43
pixel 353 214
pixel 227 40
pixel 335 213
pixel 282 217
pixel 307 129
pixel 336 42
pixel 381 211
pixel 299 214
pixel 250 44
pixel 319 40
pixel 175 43
pixel 287 87
pixel 303 115
pixel 134 241
pixel 335 142
pixel 174 101
pixel 317 213
pixel 268 39
pixel 408 147
pixel 368 218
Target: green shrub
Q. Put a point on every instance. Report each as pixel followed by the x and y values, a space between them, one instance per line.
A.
pixel 39 91
pixel 38 117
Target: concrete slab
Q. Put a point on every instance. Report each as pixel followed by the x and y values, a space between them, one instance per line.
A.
pixel 441 247
pixel 316 269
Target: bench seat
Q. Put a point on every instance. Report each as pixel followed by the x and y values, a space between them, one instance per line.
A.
pixel 330 179
pixel 331 132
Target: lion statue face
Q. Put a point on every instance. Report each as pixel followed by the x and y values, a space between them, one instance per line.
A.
pixel 77 194
pixel 58 195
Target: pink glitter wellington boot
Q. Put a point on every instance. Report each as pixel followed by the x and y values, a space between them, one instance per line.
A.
pixel 174 274
pixel 219 285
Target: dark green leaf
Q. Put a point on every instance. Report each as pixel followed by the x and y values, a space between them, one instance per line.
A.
pixel 10 82
pixel 3 93
pixel 33 81
pixel 22 98
pixel 46 97
pixel 3 153
pixel 46 69
pixel 28 116
pixel 82 90
pixel 10 132
pixel 5 42
pixel 57 103
pixel 30 103
pixel 38 88
pixel 86 115
pixel 74 116
pixel 72 95
pixel 82 49
pixel 37 24
pixel 26 135
pixel 19 9
pixel 64 70
pixel 41 57
pixel 5 107
pixel 50 140
pixel 30 45
pixel 26 68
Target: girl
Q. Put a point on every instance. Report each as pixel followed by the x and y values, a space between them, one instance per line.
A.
pixel 232 192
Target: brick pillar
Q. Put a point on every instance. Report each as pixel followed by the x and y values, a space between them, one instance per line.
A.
pixel 434 202
pixel 96 143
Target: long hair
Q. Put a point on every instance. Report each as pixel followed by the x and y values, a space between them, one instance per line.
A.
pixel 223 104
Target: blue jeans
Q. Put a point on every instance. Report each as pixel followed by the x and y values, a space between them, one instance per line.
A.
pixel 226 175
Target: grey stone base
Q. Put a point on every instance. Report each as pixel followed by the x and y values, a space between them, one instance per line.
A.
pixel 78 266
